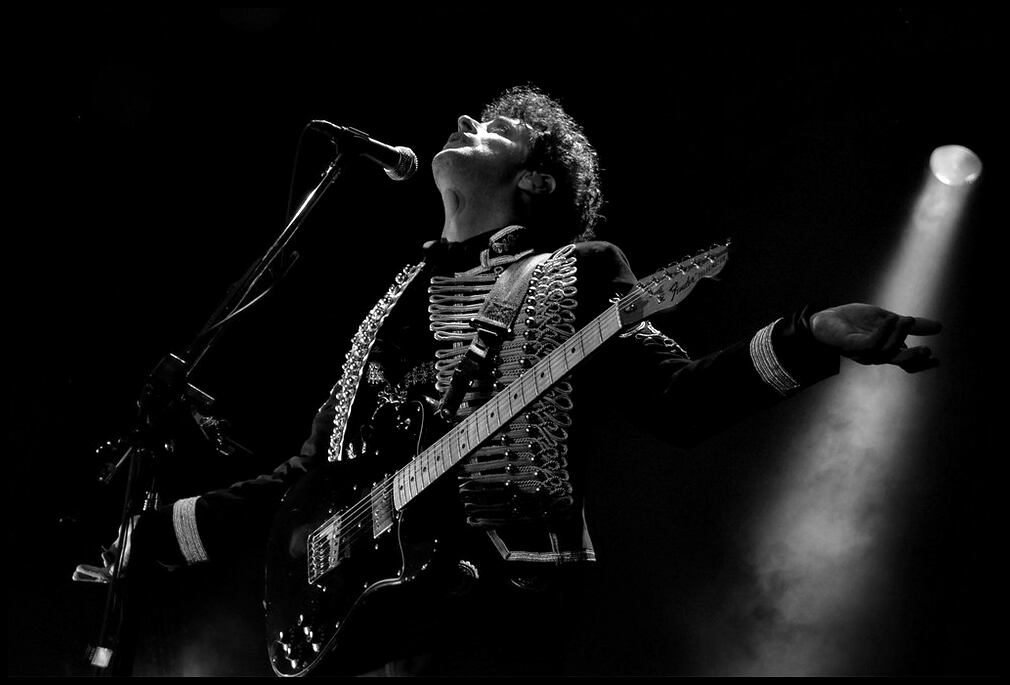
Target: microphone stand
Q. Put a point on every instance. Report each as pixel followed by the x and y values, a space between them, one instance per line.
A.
pixel 166 392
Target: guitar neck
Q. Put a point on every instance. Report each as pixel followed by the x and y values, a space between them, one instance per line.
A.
pixel 463 439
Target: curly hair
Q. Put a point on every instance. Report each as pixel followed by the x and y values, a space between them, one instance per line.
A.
pixel 560 148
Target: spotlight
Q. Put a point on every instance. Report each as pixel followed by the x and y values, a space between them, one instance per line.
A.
pixel 955 165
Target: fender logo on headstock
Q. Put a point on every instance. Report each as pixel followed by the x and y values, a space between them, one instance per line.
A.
pixel 667 287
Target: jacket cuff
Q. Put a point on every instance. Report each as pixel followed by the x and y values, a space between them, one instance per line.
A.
pixel 768 365
pixel 187 534
pixel 788 358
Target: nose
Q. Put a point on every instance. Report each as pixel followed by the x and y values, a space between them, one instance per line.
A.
pixel 466 124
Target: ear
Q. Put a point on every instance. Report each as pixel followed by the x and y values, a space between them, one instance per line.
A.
pixel 537 183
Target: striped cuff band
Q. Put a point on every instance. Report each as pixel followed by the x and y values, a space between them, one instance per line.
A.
pixel 767 364
pixel 184 522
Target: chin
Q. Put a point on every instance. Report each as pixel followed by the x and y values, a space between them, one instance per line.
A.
pixel 448 158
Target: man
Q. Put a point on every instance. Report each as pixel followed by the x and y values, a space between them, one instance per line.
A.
pixel 523 181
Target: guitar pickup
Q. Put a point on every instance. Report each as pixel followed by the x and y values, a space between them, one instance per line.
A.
pixel 382 508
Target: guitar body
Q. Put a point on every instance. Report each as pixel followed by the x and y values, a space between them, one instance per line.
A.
pixel 334 623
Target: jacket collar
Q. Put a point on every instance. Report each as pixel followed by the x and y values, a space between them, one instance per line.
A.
pixel 481 251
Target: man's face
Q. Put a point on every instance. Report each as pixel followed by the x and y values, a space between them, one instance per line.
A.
pixel 483 152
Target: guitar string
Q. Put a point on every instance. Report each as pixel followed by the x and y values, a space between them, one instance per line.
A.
pixel 357 513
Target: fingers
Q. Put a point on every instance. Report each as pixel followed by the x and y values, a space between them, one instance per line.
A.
pixel 91 574
pixel 915 359
pixel 895 339
pixel 893 350
pixel 923 326
pixel 110 556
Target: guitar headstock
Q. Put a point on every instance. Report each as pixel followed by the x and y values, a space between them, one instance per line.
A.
pixel 667 287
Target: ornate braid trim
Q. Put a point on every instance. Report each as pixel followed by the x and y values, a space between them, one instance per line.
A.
pixel 521 475
pixel 354 362
pixel 555 557
pixel 454 302
pixel 650 335
pixel 768 366
pixel 186 531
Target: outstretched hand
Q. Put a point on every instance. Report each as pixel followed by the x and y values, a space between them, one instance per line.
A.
pixel 86 573
pixel 871 335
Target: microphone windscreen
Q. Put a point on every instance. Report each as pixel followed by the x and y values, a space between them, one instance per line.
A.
pixel 405 167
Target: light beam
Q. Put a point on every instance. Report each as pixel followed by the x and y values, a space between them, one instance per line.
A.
pixel 821 550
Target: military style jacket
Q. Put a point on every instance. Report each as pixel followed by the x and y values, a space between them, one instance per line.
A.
pixel 523 489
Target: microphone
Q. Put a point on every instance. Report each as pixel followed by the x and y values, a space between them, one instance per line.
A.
pixel 400 162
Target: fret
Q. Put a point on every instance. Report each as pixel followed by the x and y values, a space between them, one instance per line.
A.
pixel 409 478
pixel 424 477
pixel 553 370
pixel 440 449
pixel 489 412
pixel 534 380
pixel 572 347
pixel 603 328
pixel 532 387
pixel 517 400
pixel 509 394
pixel 504 408
pixel 596 334
pixel 471 434
pixel 399 491
pixel 559 361
pixel 462 444
pixel 433 471
pixel 492 414
pixel 479 427
pixel 431 465
pixel 613 318
pixel 411 484
pixel 542 378
pixel 453 447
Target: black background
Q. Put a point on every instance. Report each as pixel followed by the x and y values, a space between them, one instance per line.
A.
pixel 160 146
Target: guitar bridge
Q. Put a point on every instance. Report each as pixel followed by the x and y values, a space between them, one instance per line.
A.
pixel 326 548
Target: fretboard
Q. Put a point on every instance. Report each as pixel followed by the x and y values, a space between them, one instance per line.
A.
pixel 479 426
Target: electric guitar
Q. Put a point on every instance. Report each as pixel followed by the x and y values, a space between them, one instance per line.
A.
pixel 351 538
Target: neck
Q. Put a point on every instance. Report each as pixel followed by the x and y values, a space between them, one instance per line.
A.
pixel 469 216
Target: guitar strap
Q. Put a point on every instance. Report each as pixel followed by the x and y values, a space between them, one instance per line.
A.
pixel 492 323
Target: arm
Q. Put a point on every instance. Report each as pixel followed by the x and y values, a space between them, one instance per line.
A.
pixel 684 400
pixel 222 523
